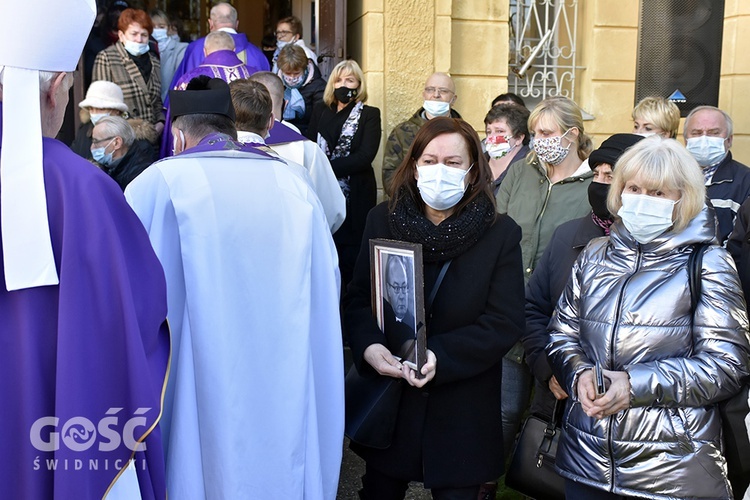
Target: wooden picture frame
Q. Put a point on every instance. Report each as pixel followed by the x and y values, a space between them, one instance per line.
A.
pixel 397 280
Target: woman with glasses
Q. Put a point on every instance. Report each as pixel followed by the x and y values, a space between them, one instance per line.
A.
pixel 348 132
pixel 289 31
pixel 447 432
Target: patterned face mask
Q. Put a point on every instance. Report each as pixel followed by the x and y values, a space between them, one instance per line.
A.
pixel 549 149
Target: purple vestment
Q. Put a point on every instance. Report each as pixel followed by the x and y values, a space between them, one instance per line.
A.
pixel 246 51
pixel 222 64
pixel 83 364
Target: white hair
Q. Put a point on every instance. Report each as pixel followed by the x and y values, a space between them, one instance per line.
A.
pixel 45 78
pixel 117 126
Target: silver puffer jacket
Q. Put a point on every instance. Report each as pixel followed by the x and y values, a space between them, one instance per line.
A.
pixel 627 306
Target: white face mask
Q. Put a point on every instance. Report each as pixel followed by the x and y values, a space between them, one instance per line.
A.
pixel 437 108
pixel 95 117
pixel 160 35
pixel 646 217
pixel 498 146
pixel 707 150
pixel 135 49
pixel 440 186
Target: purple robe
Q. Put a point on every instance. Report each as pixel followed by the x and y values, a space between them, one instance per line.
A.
pixel 83 364
pixel 246 51
pixel 222 64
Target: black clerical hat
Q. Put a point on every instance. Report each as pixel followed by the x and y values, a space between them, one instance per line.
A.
pixel 203 95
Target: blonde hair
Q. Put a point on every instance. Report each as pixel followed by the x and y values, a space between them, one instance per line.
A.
pixel 347 67
pixel 661 164
pixel 565 114
pixel 659 111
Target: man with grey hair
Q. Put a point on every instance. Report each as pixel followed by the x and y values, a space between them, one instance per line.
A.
pixel 285 139
pixel 114 147
pixel 708 137
pixel 82 294
pixel 223 17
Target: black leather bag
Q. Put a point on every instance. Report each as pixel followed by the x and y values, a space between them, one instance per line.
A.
pixel 371 408
pixel 532 468
pixel 372 401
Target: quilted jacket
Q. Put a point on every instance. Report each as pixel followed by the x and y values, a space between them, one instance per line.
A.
pixel 627 306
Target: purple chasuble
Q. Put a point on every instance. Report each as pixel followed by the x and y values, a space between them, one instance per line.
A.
pixel 216 143
pixel 281 134
pixel 246 51
pixel 222 64
pixel 83 364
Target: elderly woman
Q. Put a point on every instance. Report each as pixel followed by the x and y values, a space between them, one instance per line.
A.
pixel 549 187
pixel 129 64
pixel 348 132
pixel 656 115
pixel 447 433
pixel 303 85
pixel 102 99
pixel 656 431
pixel 506 126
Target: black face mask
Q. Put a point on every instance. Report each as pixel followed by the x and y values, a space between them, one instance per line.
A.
pixel 598 199
pixel 344 94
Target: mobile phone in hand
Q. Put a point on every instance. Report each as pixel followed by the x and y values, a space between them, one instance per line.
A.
pixel 599 375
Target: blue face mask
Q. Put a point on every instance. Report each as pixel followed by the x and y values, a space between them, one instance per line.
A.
pixel 101 157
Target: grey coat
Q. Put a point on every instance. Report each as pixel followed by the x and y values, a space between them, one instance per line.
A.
pixel 628 307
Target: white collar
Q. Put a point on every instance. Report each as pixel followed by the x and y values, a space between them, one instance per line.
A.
pixel 228 30
pixel 250 137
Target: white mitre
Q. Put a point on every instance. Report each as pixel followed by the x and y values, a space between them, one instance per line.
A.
pixel 60 31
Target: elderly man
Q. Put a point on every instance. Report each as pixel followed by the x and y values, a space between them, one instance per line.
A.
pixel 708 137
pixel 223 17
pixel 85 346
pixel 288 143
pixel 220 62
pixel 254 407
pixel 114 147
pixel 439 96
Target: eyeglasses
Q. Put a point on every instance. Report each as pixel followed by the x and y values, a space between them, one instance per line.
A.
pixel 282 33
pixel 437 91
pixel 98 141
pixel 399 288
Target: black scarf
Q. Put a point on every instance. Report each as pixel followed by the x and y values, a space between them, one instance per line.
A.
pixel 449 239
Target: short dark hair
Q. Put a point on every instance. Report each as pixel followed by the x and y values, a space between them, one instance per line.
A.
pixel 200 125
pixel 508 97
pixel 294 23
pixel 292 58
pixel 252 105
pixel 517 118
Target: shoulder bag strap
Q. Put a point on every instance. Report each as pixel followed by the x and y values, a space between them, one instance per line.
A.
pixel 694 268
pixel 436 286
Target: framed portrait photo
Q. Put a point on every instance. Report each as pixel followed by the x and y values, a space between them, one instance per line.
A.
pixel 397 279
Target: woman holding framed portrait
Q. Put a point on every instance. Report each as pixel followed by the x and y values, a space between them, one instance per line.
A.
pixel 447 431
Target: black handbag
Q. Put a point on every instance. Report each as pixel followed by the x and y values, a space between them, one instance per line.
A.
pixel 532 468
pixel 372 400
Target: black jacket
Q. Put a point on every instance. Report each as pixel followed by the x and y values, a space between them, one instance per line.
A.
pixel 312 92
pixel 728 189
pixel 135 161
pixel 357 166
pixel 449 434
pixel 542 293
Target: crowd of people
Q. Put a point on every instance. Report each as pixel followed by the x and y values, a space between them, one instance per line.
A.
pixel 175 319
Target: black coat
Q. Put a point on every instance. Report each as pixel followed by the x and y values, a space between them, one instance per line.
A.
pixel 136 160
pixel 312 92
pixel 449 434
pixel 547 283
pixel 358 165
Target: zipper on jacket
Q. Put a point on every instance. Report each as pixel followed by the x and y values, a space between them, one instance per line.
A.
pixel 611 361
